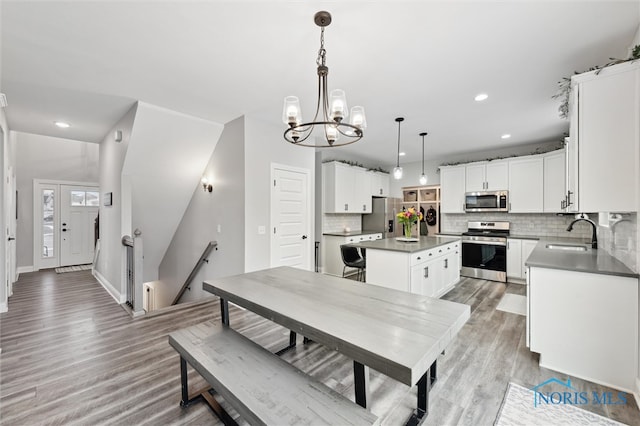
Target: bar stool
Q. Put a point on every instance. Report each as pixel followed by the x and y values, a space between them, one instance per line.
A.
pixel 351 258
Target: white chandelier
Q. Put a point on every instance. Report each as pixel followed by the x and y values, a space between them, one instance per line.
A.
pixel 331 109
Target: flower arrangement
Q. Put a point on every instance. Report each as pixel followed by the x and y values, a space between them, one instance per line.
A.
pixel 407 218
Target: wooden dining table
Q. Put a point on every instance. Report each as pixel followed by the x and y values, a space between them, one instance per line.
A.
pixel 396 333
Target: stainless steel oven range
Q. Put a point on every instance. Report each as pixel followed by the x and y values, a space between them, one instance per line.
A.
pixel 484 250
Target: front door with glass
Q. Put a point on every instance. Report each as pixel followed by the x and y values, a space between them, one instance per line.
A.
pixel 78 211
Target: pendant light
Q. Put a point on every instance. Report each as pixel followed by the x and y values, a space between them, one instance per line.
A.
pixel 423 177
pixel 397 171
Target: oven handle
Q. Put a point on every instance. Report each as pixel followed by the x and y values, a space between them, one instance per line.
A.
pixel 487 243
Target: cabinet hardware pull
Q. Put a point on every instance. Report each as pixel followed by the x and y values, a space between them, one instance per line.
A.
pixel 346 207
pixel 419 258
pixel 426 272
pixel 446 263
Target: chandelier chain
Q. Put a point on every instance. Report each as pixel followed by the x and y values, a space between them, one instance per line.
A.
pixel 321 61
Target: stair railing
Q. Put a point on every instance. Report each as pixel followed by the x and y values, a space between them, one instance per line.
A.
pixel 203 259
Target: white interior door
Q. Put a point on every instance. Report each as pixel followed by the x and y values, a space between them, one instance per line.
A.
pixel 291 240
pixel 10 231
pixel 78 210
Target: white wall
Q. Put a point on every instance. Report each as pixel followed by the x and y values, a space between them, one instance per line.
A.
pixel 109 267
pixel 45 157
pixel 265 145
pixel 165 158
pixel 223 208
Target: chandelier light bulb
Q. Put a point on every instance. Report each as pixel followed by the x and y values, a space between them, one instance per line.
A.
pixel 291 112
pixel 397 172
pixel 358 118
pixel 423 179
pixel 332 134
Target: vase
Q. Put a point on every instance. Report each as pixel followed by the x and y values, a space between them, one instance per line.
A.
pixel 407 230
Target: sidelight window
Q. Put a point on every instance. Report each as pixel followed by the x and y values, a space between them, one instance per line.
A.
pixel 48 237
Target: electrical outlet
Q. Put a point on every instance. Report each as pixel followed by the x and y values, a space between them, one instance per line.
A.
pixel 219 228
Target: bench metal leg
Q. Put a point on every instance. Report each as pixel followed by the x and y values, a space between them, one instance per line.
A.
pixel 433 372
pixel 361 383
pixel 184 383
pixel 224 311
pixel 204 394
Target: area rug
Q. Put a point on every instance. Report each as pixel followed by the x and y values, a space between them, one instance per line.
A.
pixel 73 268
pixel 518 409
pixel 513 303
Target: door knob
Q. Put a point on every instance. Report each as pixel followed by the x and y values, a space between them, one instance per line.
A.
pixel 304 237
pixel 11 239
pixel 64 229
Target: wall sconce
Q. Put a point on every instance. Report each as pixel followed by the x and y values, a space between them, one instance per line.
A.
pixel 206 186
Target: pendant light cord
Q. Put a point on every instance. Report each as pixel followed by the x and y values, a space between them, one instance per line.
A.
pixel 423 154
pixel 398 156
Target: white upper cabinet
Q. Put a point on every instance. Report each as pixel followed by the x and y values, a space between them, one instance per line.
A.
pixel 452 189
pixel 346 189
pixel 606 124
pixel 490 176
pixel 526 186
pixel 554 182
pixel 379 184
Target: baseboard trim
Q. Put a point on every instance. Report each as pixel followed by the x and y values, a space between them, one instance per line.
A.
pixel 4 307
pixel 24 269
pixel 107 286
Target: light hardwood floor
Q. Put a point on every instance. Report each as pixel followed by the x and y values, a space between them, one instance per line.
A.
pixel 71 355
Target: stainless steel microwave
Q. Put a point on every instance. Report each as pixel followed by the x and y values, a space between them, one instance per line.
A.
pixel 490 201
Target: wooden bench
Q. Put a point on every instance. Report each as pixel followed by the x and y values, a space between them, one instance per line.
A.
pixel 261 387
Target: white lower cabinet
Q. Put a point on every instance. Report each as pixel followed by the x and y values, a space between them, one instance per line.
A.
pixel 585 325
pixel 434 272
pixel 518 251
pixel 331 258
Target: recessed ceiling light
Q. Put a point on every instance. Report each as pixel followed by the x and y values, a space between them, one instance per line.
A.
pixel 506 136
pixel 481 97
pixel 402 154
pixel 62 124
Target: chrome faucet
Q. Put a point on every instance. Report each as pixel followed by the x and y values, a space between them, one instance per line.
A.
pixel 594 236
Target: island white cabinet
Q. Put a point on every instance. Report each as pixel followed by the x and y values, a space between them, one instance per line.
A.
pixel 526 188
pixel 332 258
pixel 605 123
pixel 487 176
pixel 346 189
pixel 379 184
pixel 431 272
pixel 452 189
pixel 585 325
pixel 518 251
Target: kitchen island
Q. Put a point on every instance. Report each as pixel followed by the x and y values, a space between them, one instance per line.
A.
pixel 429 266
pixel 582 313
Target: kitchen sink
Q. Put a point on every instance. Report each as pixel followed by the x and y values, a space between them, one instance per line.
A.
pixel 568 247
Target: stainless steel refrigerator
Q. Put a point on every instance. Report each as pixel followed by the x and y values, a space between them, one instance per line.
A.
pixel 383 217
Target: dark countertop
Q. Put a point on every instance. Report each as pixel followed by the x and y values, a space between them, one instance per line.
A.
pixel 392 244
pixel 595 261
pixel 351 233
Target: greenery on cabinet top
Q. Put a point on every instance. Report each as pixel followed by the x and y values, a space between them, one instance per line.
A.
pixel 356 164
pixel 540 150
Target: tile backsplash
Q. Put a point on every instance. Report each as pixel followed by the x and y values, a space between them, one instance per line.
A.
pixel 534 224
pixel 620 240
pixel 338 222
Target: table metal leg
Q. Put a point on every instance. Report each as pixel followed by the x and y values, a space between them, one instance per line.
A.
pixel 224 311
pixel 424 386
pixel 361 383
pixel 292 343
